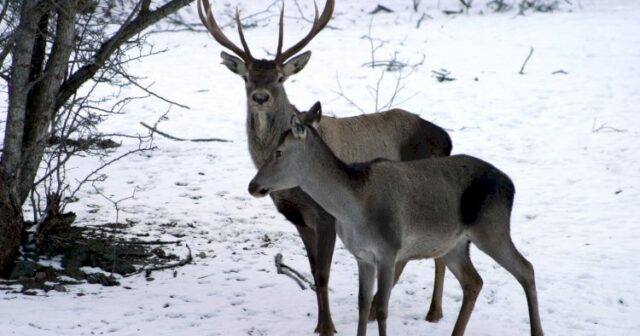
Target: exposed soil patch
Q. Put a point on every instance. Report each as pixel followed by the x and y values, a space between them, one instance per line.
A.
pixel 106 247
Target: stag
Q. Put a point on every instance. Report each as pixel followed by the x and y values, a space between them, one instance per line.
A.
pixel 394 134
pixel 390 212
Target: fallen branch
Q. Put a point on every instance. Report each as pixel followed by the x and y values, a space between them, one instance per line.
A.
pixel 381 8
pixel 393 64
pixel 166 135
pixel 525 61
pixel 443 75
pixel 153 242
pixel 605 128
pixel 292 273
pixel 453 12
pixel 180 263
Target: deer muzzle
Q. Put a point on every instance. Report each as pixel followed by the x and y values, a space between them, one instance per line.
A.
pixel 256 190
pixel 261 99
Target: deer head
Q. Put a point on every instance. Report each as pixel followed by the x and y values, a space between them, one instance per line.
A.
pixel 285 167
pixel 264 78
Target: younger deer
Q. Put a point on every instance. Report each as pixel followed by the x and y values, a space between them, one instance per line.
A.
pixel 390 212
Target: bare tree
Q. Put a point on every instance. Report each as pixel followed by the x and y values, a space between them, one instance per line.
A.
pixel 48 50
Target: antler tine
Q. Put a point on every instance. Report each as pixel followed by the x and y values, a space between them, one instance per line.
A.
pixel 318 25
pixel 212 26
pixel 241 33
pixel 280 31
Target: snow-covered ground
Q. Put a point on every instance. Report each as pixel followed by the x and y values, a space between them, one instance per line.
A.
pixel 578 186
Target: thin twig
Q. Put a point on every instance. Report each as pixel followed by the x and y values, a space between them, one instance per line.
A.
pixel 398 88
pixel 116 204
pixel 416 4
pixel 304 18
pixel 89 177
pixel 525 61
pixel 147 90
pixel 341 94
pixel 424 16
pixel 376 94
pixel 373 47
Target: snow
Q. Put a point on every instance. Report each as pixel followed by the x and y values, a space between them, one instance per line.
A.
pixel 578 190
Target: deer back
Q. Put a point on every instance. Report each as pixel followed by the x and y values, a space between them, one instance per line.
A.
pixel 393 135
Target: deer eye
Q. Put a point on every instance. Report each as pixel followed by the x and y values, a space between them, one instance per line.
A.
pixel 278 154
pixel 281 79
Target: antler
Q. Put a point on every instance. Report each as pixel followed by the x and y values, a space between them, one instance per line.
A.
pixel 218 35
pixel 318 25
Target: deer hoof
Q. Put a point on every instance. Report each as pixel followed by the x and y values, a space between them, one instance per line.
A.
pixel 434 316
pixel 326 329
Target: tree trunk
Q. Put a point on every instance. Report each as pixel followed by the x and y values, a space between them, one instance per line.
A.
pixel 38 86
pixel 40 102
pixel 10 229
pixel 10 206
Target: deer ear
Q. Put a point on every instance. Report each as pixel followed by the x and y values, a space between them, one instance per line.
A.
pixel 297 127
pixel 313 116
pixel 234 64
pixel 296 64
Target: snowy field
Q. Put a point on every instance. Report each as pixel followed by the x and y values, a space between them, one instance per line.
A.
pixel 570 141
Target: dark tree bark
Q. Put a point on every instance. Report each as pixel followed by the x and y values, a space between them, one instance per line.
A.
pixel 10 229
pixel 39 85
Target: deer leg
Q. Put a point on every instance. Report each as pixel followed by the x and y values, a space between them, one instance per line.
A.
pixel 501 249
pixel 460 265
pixel 326 239
pixel 398 271
pixel 308 236
pixel 319 245
pixel 366 276
pixel 435 310
pixel 317 231
pixel 385 284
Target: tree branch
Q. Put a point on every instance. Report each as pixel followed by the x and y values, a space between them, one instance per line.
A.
pixel 144 5
pixel 7 44
pixel 143 20
pixel 5 7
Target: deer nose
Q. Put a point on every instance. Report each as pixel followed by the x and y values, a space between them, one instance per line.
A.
pixel 260 97
pixel 256 191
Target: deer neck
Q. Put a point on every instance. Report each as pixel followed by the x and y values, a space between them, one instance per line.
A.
pixel 264 129
pixel 333 184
